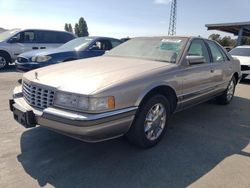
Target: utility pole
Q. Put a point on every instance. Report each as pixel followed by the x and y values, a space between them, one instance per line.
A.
pixel 173 17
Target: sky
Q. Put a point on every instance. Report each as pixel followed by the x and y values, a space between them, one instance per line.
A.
pixel 122 18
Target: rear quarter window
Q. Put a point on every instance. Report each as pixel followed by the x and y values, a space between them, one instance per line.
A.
pixel 54 37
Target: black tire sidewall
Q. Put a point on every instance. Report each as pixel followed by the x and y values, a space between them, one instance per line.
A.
pixel 137 129
pixel 6 59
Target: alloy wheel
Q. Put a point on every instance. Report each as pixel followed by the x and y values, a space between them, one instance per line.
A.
pixel 155 121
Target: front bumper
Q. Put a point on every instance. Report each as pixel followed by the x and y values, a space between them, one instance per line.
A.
pixel 86 127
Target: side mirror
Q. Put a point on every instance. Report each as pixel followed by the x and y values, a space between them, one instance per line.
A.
pixel 13 40
pixel 194 60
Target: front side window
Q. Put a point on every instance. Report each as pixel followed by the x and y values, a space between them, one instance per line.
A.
pixel 198 48
pixel 26 37
pixel 217 55
pixel 103 45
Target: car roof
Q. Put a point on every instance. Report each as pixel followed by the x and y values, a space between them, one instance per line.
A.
pixel 100 37
pixel 46 30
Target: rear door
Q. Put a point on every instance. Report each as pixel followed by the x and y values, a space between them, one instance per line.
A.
pixel 197 78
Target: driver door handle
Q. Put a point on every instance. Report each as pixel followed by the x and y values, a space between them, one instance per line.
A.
pixel 35 48
pixel 212 70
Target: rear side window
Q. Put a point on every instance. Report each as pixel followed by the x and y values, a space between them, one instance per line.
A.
pixel 216 52
pixel 198 48
pixel 54 37
pixel 64 37
pixel 115 43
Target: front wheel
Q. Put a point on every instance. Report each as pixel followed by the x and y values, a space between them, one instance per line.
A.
pixel 228 95
pixel 4 61
pixel 150 123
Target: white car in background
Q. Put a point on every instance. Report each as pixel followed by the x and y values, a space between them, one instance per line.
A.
pixel 242 53
pixel 15 42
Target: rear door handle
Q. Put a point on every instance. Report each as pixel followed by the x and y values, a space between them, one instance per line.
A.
pixel 212 71
pixel 42 47
pixel 35 48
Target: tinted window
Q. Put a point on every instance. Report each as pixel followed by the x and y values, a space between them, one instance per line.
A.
pixel 198 48
pixel 115 42
pixel 64 37
pixel 102 45
pixel 216 52
pixel 240 52
pixel 26 37
pixel 54 37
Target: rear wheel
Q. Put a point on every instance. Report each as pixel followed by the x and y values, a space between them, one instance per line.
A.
pixel 150 123
pixel 228 95
pixel 4 61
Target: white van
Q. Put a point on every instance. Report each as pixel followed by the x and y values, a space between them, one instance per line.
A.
pixel 15 42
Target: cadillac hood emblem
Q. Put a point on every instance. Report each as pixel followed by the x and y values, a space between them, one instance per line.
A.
pixel 36 75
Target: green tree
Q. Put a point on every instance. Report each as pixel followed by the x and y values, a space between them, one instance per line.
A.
pixel 227 41
pixel 83 28
pixel 66 27
pixel 70 28
pixel 215 37
pixel 77 31
pixel 245 41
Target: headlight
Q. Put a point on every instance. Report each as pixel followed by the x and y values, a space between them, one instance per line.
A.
pixel 42 58
pixel 83 103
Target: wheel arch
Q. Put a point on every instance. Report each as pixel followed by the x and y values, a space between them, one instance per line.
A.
pixel 6 53
pixel 163 89
pixel 236 76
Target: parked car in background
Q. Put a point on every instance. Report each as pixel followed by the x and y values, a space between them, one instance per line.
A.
pixel 131 90
pixel 243 54
pixel 79 48
pixel 15 42
pixel 228 48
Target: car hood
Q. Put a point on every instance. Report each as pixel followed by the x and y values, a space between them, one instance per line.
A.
pixel 51 51
pixel 244 60
pixel 89 75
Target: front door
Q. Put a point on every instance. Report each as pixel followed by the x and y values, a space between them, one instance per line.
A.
pixel 197 77
pixel 25 41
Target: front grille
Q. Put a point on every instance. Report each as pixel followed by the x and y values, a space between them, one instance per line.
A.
pixel 22 60
pixel 37 96
pixel 245 67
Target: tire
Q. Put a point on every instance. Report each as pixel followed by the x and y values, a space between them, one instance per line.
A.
pixel 228 94
pixel 4 60
pixel 146 134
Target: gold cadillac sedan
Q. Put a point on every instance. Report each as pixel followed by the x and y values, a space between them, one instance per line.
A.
pixel 131 90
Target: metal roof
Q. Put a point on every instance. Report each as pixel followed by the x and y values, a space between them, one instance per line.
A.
pixel 232 28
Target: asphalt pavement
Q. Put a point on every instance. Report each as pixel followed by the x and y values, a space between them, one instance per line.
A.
pixel 206 146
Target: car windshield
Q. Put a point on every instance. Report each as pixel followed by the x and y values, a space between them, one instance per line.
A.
pixel 240 52
pixel 78 43
pixel 5 35
pixel 159 49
